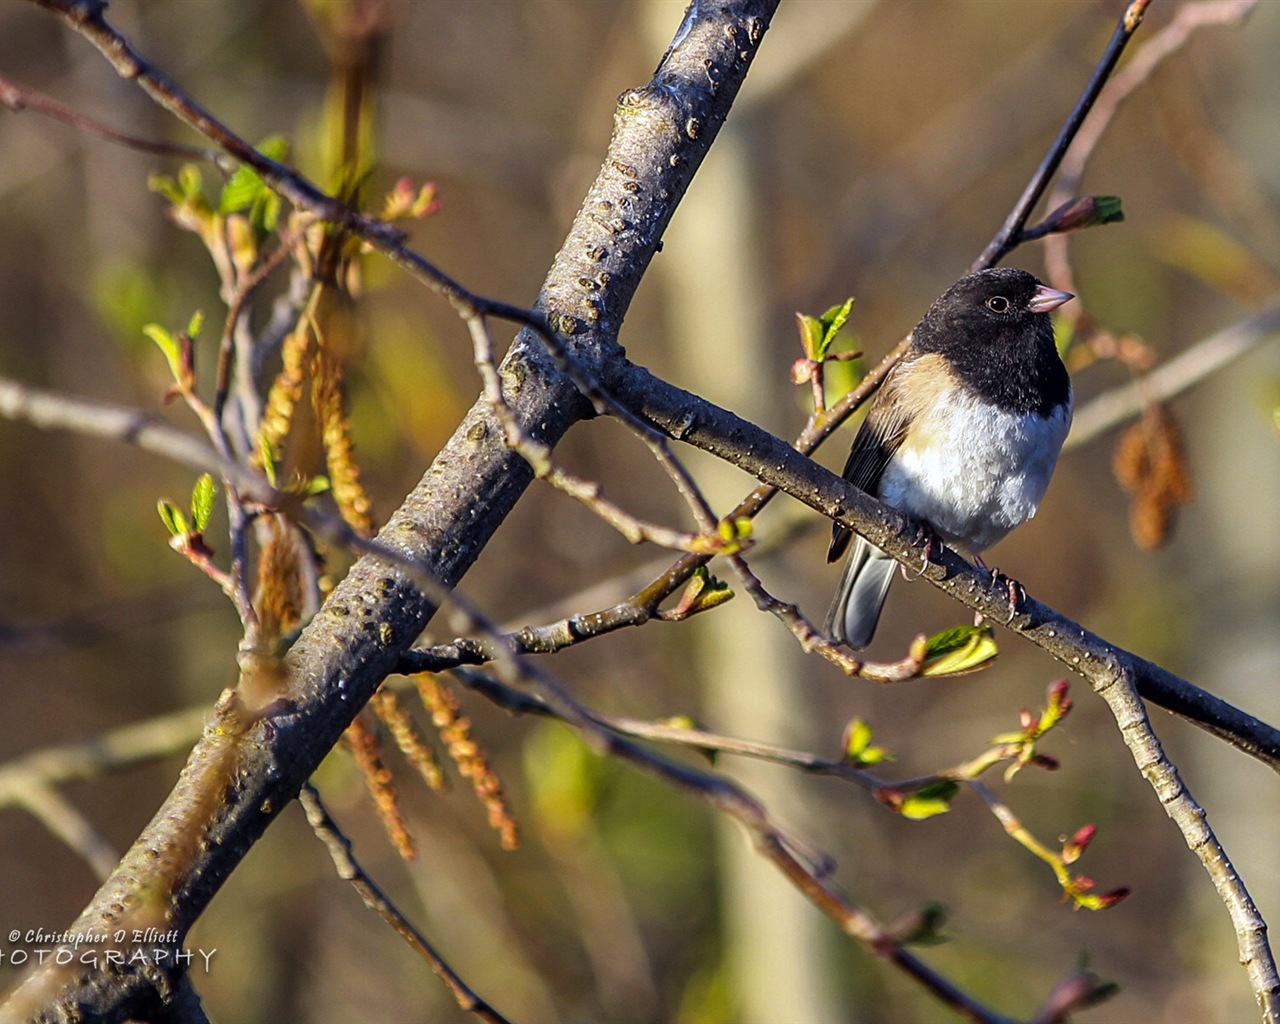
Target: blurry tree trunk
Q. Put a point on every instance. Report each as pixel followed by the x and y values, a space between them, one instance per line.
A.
pixel 719 336
pixel 712 275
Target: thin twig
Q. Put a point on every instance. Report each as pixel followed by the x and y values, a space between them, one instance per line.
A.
pixel 244 290
pixel 1010 233
pixel 1190 18
pixel 60 817
pixel 544 467
pixel 638 610
pixel 1175 376
pixel 811 639
pixel 349 869
pixel 51 410
pixel 20 97
pixel 129 745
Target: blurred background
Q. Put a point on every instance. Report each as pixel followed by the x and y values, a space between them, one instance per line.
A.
pixel 873 151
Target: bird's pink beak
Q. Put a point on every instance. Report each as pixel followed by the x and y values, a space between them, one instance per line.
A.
pixel 1044 299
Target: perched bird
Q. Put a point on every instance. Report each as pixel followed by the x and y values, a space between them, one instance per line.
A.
pixel 963 434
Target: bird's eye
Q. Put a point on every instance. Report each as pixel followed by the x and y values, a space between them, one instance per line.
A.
pixel 998 304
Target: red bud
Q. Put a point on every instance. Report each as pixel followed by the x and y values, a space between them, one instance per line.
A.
pixel 1113 897
pixel 1084 835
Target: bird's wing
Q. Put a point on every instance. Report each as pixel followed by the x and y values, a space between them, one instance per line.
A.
pixel 882 434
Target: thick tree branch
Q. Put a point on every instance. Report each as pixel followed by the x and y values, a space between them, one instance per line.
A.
pixel 771 460
pixel 244 770
pixel 234 785
pixel 1121 696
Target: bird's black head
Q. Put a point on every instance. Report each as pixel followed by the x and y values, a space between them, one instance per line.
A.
pixel 993 328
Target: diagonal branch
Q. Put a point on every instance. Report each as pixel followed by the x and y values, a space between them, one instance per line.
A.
pixel 704 425
pixel 349 869
pixel 235 784
pixel 1175 376
pixel 1122 697
pixel 1010 233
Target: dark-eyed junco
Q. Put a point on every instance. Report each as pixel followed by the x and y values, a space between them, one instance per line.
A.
pixel 963 434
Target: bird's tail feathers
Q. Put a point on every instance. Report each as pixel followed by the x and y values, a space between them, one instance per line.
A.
pixel 864 584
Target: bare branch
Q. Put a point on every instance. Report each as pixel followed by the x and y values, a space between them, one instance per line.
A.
pixel 1010 233
pixel 349 869
pixel 770 460
pixel 50 410
pixel 129 745
pixel 1122 698
pixel 60 817
pixel 20 97
pixel 1190 18
pixel 544 467
pixel 1201 360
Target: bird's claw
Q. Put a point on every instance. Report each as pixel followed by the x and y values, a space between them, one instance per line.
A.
pixel 1015 591
pixel 929 537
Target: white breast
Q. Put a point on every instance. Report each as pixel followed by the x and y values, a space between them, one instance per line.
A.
pixel 974 472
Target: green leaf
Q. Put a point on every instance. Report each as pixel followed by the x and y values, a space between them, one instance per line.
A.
pixel 857 735
pixel 1109 210
pixel 817 334
pixel 959 650
pixel 810 334
pixel 174 521
pixel 924 927
pixel 735 533
pixel 712 596
pixel 168 345
pixel 194 324
pixel 241 190
pixel 186 189
pixel 833 321
pixel 203 496
pixel 929 801
pixel 705 591
pixel 274 147
pixel 264 215
pixel 190 181
pixel 164 185
pixel 858 750
pixel 246 189
pixel 1082 212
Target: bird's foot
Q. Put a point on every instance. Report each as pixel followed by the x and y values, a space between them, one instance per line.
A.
pixel 928 536
pixel 1015 592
